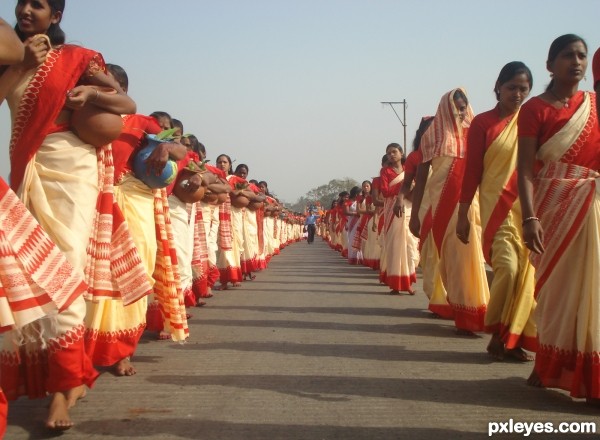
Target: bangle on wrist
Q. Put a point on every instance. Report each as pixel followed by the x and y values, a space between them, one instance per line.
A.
pixel 530 219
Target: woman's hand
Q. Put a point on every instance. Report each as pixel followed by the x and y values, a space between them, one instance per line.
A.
pixel 36 50
pixel 463 228
pixel 78 96
pixel 398 209
pixel 415 226
pixel 533 235
pixel 193 183
pixel 158 159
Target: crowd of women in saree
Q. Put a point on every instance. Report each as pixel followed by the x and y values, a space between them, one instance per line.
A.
pixel 92 254
pixel 512 190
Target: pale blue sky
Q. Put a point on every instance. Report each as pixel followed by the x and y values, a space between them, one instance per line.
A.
pixel 293 88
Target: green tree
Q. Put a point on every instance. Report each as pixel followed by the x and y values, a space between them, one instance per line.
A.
pixel 324 194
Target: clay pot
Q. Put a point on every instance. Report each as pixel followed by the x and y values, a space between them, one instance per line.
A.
pixel 240 201
pixel 96 126
pixel 140 169
pixel 179 188
pixel 255 205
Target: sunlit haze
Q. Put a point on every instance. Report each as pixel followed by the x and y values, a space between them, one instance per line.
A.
pixel 294 88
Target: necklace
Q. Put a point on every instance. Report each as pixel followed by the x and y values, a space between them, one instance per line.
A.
pixel 564 101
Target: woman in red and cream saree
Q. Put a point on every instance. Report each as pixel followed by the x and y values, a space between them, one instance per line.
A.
pixel 67 185
pixel 461 266
pixel 365 211
pixel 113 328
pixel 420 225
pixel 228 259
pixel 398 268
pixel 491 167
pixel 370 245
pixel 558 165
pixel 352 222
pixel 36 283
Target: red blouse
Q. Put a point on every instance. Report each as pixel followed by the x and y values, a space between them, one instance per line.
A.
pixel 541 120
pixel 387 175
pixel 413 160
pixel 129 141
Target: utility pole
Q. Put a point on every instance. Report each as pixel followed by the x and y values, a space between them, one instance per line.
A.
pixel 403 119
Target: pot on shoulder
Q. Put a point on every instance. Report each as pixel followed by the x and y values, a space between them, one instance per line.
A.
pixel 180 188
pixel 96 126
pixel 239 201
pixel 141 171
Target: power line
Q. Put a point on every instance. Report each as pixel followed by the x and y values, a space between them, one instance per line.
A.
pixel 403 119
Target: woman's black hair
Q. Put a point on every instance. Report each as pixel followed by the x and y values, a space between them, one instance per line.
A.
pixel 423 126
pixel 55 33
pixel 178 124
pixel 158 115
pixel 355 191
pixel 229 159
pixel 384 160
pixel 558 45
pixel 366 181
pixel 458 93
pixel 397 145
pixel 119 74
pixel 508 72
pixel 240 166
pixel 196 145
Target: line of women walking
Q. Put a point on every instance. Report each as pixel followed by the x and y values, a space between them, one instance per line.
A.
pixel 510 192
pixel 94 249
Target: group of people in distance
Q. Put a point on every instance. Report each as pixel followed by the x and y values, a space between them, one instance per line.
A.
pixel 95 251
pixel 512 190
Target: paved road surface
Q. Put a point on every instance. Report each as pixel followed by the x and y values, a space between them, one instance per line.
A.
pixel 312 349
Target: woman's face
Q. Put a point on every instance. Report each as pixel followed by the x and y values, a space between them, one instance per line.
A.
pixel 242 172
pixel 164 123
pixel 461 108
pixel 223 164
pixel 394 155
pixel 366 187
pixel 570 64
pixel 513 93
pixel 185 141
pixel 35 16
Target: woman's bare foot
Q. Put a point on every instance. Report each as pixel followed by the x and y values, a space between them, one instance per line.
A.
pixel 200 303
pixel 534 380
pixel 519 354
pixel 124 367
pixel 496 347
pixel 236 284
pixel 394 292
pixel 411 291
pixel 58 413
pixel 221 287
pixel 74 394
pixel 164 336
